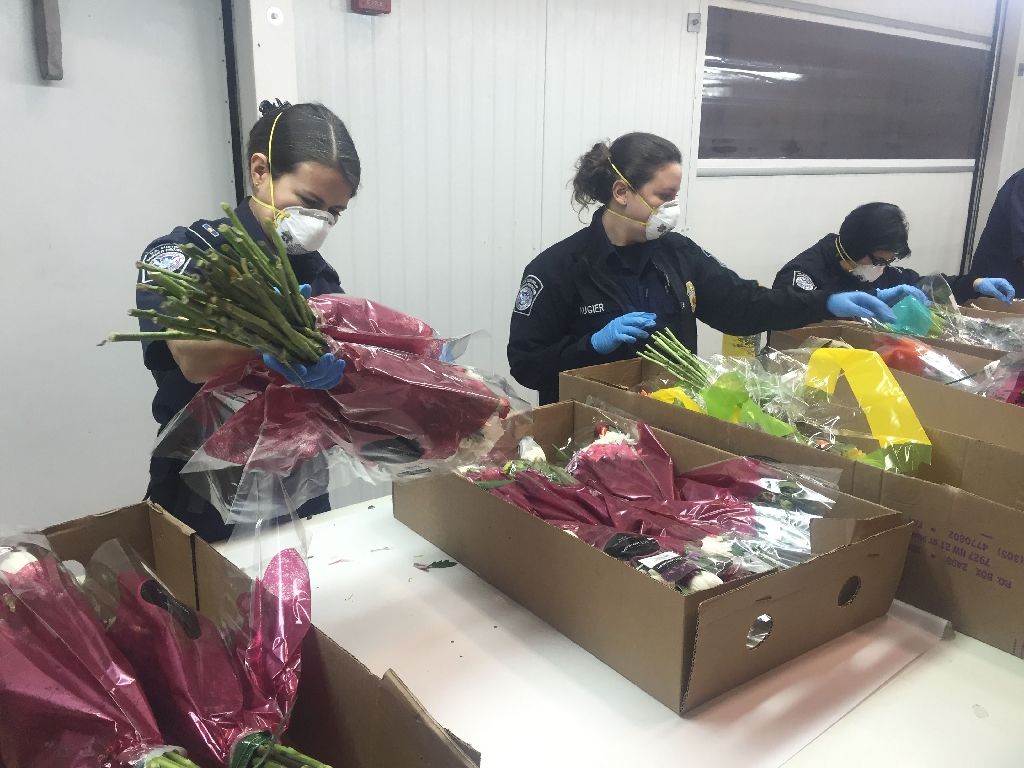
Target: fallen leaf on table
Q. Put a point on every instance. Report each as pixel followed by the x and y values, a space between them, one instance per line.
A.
pixel 436 564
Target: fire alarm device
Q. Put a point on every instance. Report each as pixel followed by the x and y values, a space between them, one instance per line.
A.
pixel 371 7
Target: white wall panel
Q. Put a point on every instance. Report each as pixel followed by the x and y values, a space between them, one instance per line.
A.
pixel 132 142
pixel 612 68
pixel 444 99
pixel 469 117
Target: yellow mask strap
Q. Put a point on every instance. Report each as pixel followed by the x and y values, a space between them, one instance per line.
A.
pixel 270 170
pixel 632 188
pixel 622 216
pixel 843 254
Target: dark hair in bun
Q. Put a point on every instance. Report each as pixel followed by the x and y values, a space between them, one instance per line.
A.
pixel 306 132
pixel 638 156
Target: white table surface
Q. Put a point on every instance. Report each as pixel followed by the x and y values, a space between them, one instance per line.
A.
pixel 525 695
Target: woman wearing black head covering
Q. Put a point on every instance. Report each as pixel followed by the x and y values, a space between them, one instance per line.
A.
pixel 862 257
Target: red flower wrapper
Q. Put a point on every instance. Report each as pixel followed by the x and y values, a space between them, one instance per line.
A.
pixel 643 472
pixel 902 353
pixel 400 411
pixel 68 697
pixel 618 467
pixel 224 695
pixel 620 494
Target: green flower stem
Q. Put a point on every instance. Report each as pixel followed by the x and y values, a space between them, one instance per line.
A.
pixel 280 756
pixel 666 350
pixel 170 760
pixel 245 293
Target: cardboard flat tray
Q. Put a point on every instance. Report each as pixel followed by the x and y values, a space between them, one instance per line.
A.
pixel 682 649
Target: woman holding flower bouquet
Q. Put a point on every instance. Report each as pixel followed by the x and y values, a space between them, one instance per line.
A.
pixel 594 296
pixel 304 170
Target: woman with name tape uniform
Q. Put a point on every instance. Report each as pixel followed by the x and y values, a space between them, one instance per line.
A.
pixel 597 295
pixel 304 170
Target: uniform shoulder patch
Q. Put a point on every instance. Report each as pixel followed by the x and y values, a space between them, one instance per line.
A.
pixel 166 256
pixel 528 293
pixel 803 281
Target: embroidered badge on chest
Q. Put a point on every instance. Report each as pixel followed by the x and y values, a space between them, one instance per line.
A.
pixel 691 294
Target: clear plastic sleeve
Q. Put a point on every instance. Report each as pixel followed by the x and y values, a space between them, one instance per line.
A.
pixel 224 691
pixel 620 494
pixel 400 412
pixel 68 697
pixel 944 320
pixel 793 395
pixel 1001 379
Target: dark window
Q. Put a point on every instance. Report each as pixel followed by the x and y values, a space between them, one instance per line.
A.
pixel 783 88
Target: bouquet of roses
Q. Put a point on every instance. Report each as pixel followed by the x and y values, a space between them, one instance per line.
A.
pixel 68 697
pixel 402 409
pixel 225 696
pixel 621 494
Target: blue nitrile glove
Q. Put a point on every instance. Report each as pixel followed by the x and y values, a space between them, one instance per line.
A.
pixel 627 329
pixel 996 287
pixel 892 295
pixel 324 374
pixel 304 288
pixel 859 304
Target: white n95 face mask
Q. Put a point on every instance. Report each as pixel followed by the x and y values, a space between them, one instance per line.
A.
pixel 868 273
pixel 303 230
pixel 663 219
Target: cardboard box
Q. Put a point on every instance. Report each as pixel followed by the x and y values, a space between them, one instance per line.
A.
pixel 995 305
pixel 937 405
pixel 344 714
pixel 683 650
pixel 966 562
pixel 967 352
pixel 861 337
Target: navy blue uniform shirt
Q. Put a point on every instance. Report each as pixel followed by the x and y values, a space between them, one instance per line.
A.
pixel 1000 251
pixel 819 269
pixel 577 286
pixel 173 390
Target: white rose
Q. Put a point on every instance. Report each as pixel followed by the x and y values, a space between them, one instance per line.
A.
pixel 530 450
pixel 611 437
pixel 704 580
pixel 716 545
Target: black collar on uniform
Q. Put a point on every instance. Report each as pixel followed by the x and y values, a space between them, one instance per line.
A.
pixel 600 247
pixel 598 244
pixel 249 221
pixel 833 261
